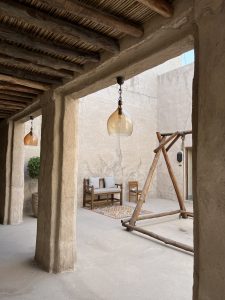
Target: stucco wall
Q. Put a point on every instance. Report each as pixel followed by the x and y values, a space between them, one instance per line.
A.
pixel 31 185
pixel 126 158
pixel 174 114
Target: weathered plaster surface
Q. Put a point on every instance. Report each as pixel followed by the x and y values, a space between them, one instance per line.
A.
pixel 174 114
pixel 57 195
pixel 12 181
pixel 126 158
pixel 209 149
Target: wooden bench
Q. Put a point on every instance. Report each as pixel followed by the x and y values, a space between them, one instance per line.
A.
pixel 93 195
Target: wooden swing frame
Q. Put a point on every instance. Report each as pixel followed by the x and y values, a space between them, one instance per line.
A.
pixel 130 223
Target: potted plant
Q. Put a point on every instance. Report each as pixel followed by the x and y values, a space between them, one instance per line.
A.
pixel 33 170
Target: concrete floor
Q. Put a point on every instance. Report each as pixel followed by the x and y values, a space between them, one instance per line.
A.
pixel 111 263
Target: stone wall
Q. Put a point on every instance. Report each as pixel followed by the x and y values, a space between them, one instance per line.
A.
pixel 174 113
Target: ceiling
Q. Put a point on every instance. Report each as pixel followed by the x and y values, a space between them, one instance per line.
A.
pixel 45 43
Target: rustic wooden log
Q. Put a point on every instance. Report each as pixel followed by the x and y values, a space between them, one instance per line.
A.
pixel 153 216
pixel 165 142
pixel 18 88
pixel 188 213
pixel 23 74
pixel 8 34
pixel 58 26
pixel 172 176
pixel 23 64
pixel 15 93
pixel 162 7
pixel 172 143
pixel 15 98
pixel 180 132
pixel 6 103
pixel 145 189
pixel 100 17
pixel 24 82
pixel 40 59
pixel 159 237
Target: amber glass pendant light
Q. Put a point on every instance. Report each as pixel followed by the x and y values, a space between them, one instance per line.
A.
pixel 119 123
pixel 31 139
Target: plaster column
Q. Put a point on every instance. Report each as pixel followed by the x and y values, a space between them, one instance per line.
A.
pixel 12 172
pixel 209 150
pixel 57 190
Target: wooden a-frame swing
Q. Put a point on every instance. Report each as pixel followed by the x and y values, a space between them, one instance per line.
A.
pixel 130 223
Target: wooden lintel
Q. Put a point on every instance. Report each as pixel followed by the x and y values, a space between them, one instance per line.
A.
pixel 31 16
pixel 100 17
pixel 24 82
pixel 8 34
pixel 55 65
pixel 161 7
pixel 23 64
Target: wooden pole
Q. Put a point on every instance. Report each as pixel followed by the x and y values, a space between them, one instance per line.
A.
pixel 159 237
pixel 145 190
pixel 173 178
pixel 152 216
pixel 166 142
pixel 180 132
pixel 172 143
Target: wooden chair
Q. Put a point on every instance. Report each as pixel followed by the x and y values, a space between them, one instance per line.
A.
pixel 133 190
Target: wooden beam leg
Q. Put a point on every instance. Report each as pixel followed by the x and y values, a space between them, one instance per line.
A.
pixel 173 178
pixel 145 190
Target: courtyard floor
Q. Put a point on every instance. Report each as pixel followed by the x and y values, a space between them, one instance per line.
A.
pixel 112 263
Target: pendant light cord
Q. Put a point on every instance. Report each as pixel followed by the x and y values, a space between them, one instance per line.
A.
pixel 120 100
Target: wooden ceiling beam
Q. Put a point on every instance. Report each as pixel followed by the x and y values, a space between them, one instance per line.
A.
pixel 4 104
pixel 99 17
pixel 19 94
pixel 22 64
pixel 25 82
pixel 15 98
pixel 12 103
pixel 18 88
pixel 25 74
pixel 161 7
pixel 58 26
pixel 48 46
pixel 38 58
pixel 8 110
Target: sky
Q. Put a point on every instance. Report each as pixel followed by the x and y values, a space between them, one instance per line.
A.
pixel 187 58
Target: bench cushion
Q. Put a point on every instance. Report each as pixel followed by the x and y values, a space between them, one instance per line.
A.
pixel 107 191
pixel 109 182
pixel 94 181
